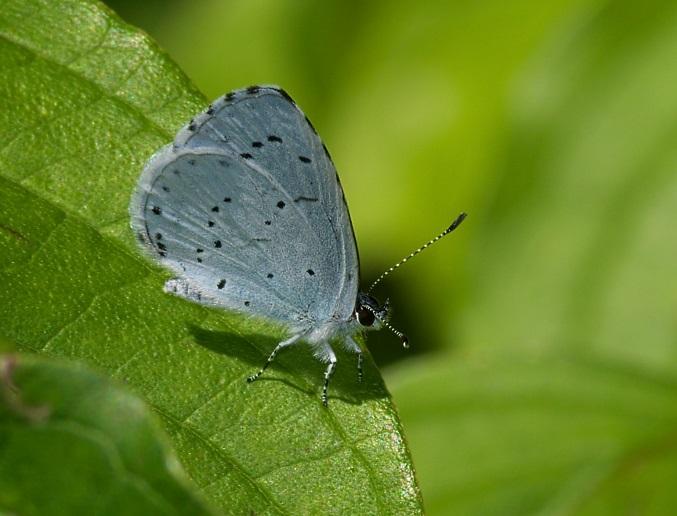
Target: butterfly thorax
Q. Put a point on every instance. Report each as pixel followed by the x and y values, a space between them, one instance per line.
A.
pixel 368 315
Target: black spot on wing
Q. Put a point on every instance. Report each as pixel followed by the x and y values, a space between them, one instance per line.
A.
pixel 157 210
pixel 210 223
pixel 227 199
pixel 305 159
pixel 280 204
pixel 304 198
pixel 246 155
pixel 217 243
pixel 310 272
pixel 221 284
pixel 273 138
pixel 215 209
pixel 229 96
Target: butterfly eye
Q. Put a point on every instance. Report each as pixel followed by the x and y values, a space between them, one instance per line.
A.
pixel 364 316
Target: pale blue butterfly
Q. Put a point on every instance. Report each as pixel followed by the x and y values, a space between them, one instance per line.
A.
pixel 247 209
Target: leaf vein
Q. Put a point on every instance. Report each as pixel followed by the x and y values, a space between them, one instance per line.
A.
pixel 124 103
pixel 221 454
pixel 334 425
pixel 85 309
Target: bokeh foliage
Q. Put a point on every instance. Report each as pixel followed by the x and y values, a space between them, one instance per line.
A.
pixel 550 320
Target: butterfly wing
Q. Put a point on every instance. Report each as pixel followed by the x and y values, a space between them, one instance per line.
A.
pixel 244 221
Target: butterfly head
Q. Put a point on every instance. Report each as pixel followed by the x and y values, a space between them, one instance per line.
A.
pixel 371 314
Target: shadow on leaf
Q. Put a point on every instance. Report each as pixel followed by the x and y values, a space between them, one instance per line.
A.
pixel 296 366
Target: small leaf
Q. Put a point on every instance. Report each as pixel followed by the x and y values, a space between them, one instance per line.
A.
pixel 85 100
pixel 73 443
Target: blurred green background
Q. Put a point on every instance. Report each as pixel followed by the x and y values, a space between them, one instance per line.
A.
pixel 541 378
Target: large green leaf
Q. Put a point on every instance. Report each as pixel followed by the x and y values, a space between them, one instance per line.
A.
pixel 84 101
pixel 72 443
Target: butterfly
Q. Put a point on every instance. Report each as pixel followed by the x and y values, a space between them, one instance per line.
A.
pixel 246 208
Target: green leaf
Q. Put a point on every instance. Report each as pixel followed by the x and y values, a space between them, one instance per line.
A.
pixel 73 443
pixel 84 101
pixel 550 435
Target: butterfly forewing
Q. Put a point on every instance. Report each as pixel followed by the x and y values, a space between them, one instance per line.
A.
pixel 246 207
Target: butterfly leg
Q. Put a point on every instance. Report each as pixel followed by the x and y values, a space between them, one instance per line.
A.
pixel 277 349
pixel 331 357
pixel 351 345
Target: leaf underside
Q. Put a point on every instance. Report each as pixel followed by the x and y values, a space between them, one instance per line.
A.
pixel 64 422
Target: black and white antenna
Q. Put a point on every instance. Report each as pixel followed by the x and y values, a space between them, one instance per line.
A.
pixel 454 225
pixel 403 338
